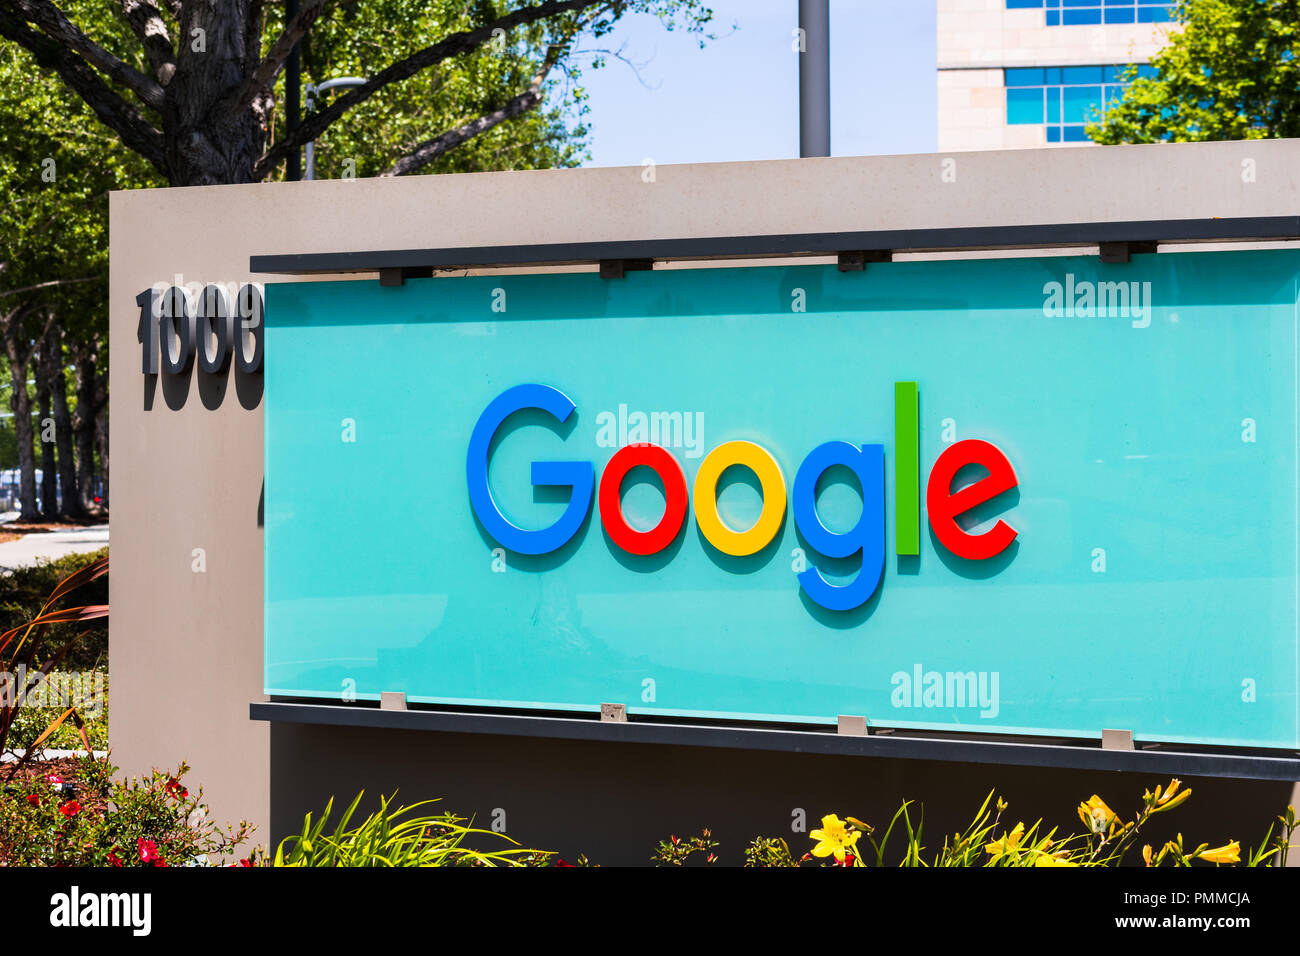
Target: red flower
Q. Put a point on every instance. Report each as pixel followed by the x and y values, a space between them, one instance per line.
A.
pixel 160 862
pixel 70 809
pixel 33 799
pixel 148 850
pixel 176 790
pixel 247 861
pixel 848 860
pixel 560 861
pixel 53 779
pixel 113 858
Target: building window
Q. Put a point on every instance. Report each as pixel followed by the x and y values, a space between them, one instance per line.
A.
pixel 1063 98
pixel 1084 12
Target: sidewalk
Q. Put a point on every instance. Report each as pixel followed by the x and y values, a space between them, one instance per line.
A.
pixel 31 548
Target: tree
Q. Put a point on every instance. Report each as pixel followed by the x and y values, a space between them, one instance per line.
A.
pixel 1231 72
pixel 195 92
pixel 57 165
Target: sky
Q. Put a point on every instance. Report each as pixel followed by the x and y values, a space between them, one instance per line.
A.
pixel 737 99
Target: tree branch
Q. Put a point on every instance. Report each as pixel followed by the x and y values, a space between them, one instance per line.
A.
pixel 431 149
pixel 454 45
pixel 58 28
pixel 113 111
pixel 47 285
pixel 147 22
pixel 263 78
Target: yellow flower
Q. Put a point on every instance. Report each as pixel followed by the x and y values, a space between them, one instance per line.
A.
pixel 1096 815
pixel 1008 843
pixel 1168 801
pixel 1046 859
pixel 1146 854
pixel 1224 854
pixel 834 838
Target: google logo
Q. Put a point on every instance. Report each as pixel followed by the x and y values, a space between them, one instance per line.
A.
pixel 943 505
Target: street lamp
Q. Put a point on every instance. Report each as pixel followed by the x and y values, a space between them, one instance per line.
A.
pixel 815 78
pixel 310 103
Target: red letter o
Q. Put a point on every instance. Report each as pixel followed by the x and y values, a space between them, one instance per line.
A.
pixel 611 507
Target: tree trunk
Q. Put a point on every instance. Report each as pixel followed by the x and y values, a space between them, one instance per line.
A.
pixel 20 404
pixel 101 444
pixel 205 144
pixel 91 396
pixel 49 467
pixel 71 503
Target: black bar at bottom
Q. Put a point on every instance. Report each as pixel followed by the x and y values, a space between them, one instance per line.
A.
pixel 1245 766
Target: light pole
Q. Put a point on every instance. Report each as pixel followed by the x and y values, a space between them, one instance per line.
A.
pixel 311 91
pixel 815 78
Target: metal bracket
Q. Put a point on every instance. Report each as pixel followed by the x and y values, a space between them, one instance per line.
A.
pixel 392 700
pixel 613 713
pixel 851 725
pixel 1122 251
pixel 396 277
pixel 617 268
pixel 1117 740
pixel 857 261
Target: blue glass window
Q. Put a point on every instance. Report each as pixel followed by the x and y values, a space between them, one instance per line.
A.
pixel 1087 12
pixel 1159 13
pixel 1024 105
pixel 1025 76
pixel 1072 18
pixel 1065 98
pixel 1071 75
pixel 1078 101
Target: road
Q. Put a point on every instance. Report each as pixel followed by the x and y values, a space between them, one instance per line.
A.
pixel 31 548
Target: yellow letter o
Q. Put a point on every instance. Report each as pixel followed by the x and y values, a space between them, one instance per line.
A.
pixel 758 460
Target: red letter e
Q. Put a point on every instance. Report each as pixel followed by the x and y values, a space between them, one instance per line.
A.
pixel 944 505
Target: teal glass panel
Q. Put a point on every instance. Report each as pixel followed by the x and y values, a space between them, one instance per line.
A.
pixel 1024 76
pixel 1149 411
pixel 1078 103
pixel 1053 104
pixel 1024 105
pixel 1082 74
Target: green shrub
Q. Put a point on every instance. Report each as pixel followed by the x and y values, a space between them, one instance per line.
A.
pixel 30 722
pixel 24 590
pixel 396 836
pixel 148 822
pixel 990 840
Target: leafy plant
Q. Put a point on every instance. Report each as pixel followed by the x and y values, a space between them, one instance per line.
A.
pixel 675 851
pixel 1231 71
pixel 32 720
pixel 19 649
pixel 24 590
pixel 988 841
pixel 397 836
pixel 152 821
